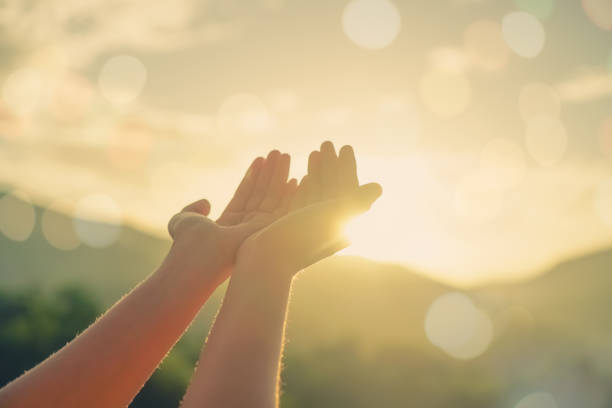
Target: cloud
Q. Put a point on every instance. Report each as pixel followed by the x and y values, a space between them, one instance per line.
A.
pixel 586 86
pixel 89 28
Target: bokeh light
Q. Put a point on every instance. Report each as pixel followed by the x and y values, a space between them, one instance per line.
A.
pixel 17 216
pixel 484 43
pixel 22 91
pixel 600 12
pixel 546 140
pixel 97 220
pixel 454 324
pixel 537 400
pixel 58 228
pixel 396 121
pixel 523 33
pixel 122 79
pixel 371 24
pixel 538 99
pixel 445 94
pixel 542 9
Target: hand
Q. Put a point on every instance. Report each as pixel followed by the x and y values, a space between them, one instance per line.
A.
pixel 326 197
pixel 263 196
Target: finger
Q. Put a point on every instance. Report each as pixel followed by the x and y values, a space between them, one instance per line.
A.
pixel 263 179
pixel 201 207
pixel 347 169
pixel 301 194
pixel 289 192
pixel 328 250
pixel 246 187
pixel 172 223
pixel 314 163
pixel 277 183
pixel 329 170
pixel 364 197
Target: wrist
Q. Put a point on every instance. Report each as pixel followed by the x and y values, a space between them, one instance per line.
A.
pixel 255 273
pixel 188 266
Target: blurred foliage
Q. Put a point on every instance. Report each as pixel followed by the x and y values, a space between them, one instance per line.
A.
pixel 355 334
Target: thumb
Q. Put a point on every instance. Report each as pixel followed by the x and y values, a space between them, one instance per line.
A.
pixel 364 197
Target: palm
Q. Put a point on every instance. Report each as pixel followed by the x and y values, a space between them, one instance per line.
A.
pixel 328 194
pixel 262 196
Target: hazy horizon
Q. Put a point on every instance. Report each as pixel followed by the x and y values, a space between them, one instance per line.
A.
pixel 488 123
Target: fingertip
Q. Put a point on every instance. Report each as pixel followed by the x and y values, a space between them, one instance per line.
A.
pixel 346 150
pixel 367 194
pixel 201 207
pixel 327 145
pixel 314 161
pixel 373 190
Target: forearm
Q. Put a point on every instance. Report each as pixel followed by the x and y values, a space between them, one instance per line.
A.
pixel 239 365
pixel 110 361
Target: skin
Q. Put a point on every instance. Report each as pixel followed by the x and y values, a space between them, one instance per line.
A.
pixel 239 365
pixel 107 364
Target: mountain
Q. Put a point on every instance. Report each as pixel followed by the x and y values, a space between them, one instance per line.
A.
pixel 356 332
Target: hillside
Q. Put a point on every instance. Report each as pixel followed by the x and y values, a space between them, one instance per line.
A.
pixel 356 327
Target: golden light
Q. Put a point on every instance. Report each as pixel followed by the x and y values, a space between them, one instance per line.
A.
pixel 371 24
pixel 244 114
pixel 450 60
pixel 538 99
pixel 504 160
pixel 477 198
pixel 445 94
pixel 605 136
pixel 546 140
pixel 524 34
pixel 72 98
pixel 23 90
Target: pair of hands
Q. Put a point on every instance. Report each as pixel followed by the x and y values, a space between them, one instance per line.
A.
pixel 275 222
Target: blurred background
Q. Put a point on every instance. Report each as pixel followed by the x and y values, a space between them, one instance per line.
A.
pixel 480 279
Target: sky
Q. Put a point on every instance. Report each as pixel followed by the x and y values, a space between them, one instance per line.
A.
pixel 488 123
